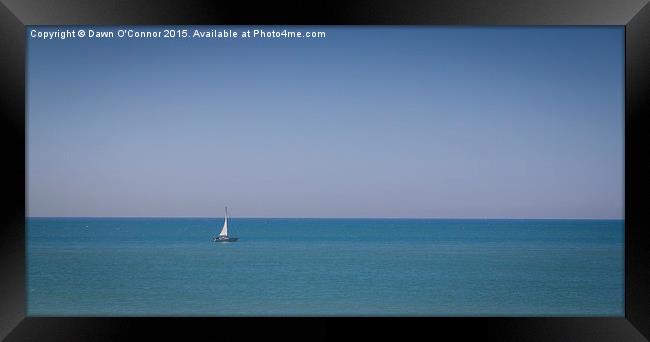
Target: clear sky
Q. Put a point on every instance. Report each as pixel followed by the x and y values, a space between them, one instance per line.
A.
pixel 368 122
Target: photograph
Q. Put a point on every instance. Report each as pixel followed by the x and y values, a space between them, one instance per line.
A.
pixel 273 171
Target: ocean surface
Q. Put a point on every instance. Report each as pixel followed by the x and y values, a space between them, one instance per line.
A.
pixel 289 267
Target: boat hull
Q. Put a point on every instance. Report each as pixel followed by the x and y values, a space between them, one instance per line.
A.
pixel 228 239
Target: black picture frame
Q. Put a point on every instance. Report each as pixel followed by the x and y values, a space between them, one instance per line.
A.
pixel 15 15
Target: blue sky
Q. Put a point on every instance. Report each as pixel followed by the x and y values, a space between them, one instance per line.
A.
pixel 368 122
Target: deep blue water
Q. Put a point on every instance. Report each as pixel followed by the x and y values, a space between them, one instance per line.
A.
pixel 170 266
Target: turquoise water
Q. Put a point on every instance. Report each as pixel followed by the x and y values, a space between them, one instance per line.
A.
pixel 169 266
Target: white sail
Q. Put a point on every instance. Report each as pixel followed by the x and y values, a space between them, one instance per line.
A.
pixel 224 230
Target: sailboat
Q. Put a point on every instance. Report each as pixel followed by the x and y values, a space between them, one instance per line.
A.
pixel 223 236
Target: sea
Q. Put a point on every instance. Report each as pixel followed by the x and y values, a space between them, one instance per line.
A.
pixel 324 267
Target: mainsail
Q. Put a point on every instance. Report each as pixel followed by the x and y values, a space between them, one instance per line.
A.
pixel 224 230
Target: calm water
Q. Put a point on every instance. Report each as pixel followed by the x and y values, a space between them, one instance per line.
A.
pixel 168 266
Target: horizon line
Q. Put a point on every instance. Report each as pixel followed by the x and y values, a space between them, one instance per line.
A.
pixel 338 218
